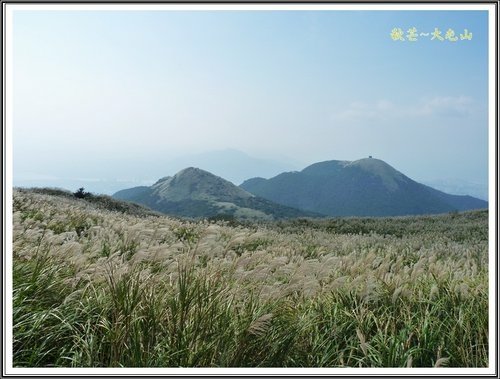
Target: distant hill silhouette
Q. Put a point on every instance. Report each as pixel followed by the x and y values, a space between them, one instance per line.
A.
pixel 366 187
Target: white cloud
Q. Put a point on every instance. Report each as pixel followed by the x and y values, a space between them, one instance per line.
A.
pixel 440 106
pixel 360 110
pixel 446 106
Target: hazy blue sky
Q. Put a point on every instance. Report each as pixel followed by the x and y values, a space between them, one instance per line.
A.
pixel 106 94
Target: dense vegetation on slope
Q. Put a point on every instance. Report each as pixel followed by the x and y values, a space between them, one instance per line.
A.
pixel 367 187
pixel 99 201
pixel 199 194
pixel 100 288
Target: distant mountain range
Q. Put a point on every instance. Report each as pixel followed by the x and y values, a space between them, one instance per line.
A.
pixel 196 193
pixel 366 187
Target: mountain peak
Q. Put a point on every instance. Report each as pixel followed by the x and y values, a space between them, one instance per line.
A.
pixel 364 187
pixel 192 171
pixel 325 167
pixel 377 167
pixel 194 192
pixel 371 162
pixel 196 184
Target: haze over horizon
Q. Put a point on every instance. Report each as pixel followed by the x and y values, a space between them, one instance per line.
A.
pixel 130 96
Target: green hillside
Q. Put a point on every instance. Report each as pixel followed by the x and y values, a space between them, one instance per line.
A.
pixel 366 187
pixel 197 193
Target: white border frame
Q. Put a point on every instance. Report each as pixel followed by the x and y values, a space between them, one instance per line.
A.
pixel 8 19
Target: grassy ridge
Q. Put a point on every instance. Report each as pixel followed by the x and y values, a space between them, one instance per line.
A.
pixel 94 288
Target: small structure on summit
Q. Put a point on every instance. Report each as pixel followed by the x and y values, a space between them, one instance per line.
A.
pixel 369 156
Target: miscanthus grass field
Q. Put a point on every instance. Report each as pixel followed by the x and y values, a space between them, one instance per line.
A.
pixel 101 284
